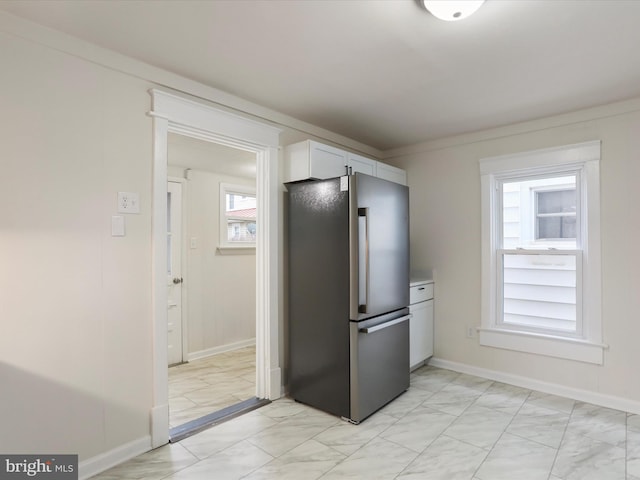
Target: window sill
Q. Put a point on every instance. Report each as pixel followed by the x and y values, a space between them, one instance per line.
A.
pixel 548 345
pixel 237 250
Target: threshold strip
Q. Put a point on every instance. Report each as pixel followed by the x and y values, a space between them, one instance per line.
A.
pixel 199 424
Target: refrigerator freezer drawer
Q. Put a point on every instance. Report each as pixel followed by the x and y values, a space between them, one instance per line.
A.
pixel 379 363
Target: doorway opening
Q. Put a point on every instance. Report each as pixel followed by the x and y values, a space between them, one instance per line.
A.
pixel 175 114
pixel 211 237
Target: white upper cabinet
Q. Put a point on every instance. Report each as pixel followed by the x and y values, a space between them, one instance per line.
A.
pixel 310 159
pixel 358 163
pixel 391 173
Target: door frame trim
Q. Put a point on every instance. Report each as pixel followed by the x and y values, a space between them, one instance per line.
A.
pixel 176 114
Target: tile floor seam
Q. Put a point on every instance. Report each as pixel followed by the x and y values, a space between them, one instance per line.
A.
pixel 401 445
pixel 564 433
pixel 170 474
pixel 261 466
pixel 475 472
pixel 490 450
pixel 339 463
pixel 332 448
pixel 257 446
pixel 531 440
pixel 311 438
pixel 361 447
pixel 192 453
pixel 417 456
pixel 443 434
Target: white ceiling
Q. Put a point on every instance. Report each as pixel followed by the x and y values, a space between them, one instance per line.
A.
pixel 383 72
pixel 188 152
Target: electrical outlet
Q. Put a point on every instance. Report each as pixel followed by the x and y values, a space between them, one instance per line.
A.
pixel 471 332
pixel 128 202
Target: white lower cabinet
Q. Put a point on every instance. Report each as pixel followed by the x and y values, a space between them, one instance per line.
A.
pixel 421 323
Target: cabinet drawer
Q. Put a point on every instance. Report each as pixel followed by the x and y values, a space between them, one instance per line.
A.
pixel 420 293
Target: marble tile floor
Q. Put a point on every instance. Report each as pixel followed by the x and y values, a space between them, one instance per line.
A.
pixel 447 426
pixel 204 386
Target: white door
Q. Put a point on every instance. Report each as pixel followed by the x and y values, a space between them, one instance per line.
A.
pixel 174 277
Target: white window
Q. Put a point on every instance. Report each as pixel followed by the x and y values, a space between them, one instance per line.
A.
pixel 541 252
pixel 237 216
pixel 538 253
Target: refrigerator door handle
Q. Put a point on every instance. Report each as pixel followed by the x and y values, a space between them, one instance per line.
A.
pixel 382 326
pixel 363 260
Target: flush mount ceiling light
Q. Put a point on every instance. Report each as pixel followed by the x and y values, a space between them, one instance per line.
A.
pixel 452 10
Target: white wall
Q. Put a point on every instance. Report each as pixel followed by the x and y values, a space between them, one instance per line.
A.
pixel 75 348
pixel 220 288
pixel 444 183
pixel 76 369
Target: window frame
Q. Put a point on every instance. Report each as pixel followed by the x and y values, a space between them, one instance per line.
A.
pixel 583 158
pixel 224 243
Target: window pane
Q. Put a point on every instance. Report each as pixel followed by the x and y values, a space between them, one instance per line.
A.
pixel 557 201
pixel 241 217
pixel 241 231
pixel 540 291
pixel 539 209
pixel 556 214
pixel 238 202
pixel 556 227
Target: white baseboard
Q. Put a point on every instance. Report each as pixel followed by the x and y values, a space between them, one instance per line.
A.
pixel 105 461
pixel 208 352
pixel 595 398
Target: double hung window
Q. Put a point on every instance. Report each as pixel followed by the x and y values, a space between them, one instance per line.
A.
pixel 539 253
pixel 541 259
pixel 237 216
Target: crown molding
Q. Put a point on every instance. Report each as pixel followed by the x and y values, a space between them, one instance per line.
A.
pixel 62 42
pixel 594 113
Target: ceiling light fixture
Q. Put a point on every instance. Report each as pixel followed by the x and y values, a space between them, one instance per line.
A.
pixel 452 10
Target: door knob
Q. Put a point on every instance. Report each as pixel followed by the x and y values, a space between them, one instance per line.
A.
pixel 177 280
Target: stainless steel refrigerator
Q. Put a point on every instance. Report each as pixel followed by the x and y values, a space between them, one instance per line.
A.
pixel 348 277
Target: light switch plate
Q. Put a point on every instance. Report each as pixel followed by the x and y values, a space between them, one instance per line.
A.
pixel 128 202
pixel 117 226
